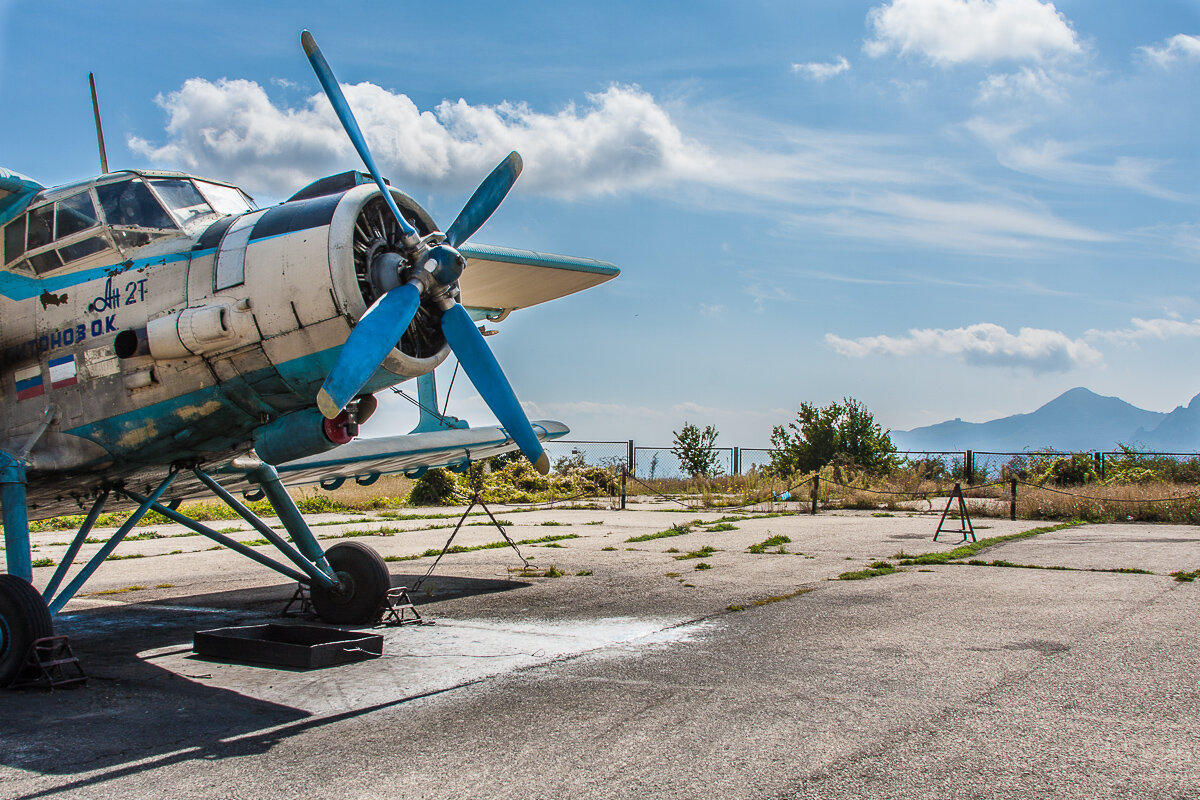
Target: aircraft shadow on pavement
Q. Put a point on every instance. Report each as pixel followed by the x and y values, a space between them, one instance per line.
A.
pixel 133 710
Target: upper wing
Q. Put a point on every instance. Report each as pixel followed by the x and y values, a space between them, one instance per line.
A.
pixel 15 193
pixel 367 458
pixel 501 279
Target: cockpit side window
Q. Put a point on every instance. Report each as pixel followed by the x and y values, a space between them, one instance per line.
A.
pixel 41 226
pixel 14 239
pixel 225 199
pixel 182 198
pixel 74 214
pixel 130 204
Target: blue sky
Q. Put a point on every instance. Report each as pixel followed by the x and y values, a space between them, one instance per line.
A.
pixel 944 208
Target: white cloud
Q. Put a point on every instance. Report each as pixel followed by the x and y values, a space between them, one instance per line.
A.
pixel 962 225
pixel 1180 47
pixel 621 138
pixel 1161 329
pixel 819 71
pixel 1023 85
pixel 1057 161
pixel 950 32
pixel 983 344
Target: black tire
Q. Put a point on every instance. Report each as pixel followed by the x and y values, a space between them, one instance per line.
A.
pixel 365 583
pixel 24 618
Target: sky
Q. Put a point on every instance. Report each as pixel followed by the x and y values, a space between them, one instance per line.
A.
pixel 942 208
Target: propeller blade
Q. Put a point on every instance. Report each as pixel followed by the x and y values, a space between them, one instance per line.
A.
pixel 482 368
pixel 485 200
pixel 342 109
pixel 368 345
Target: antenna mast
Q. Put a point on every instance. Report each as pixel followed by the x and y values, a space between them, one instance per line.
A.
pixel 99 129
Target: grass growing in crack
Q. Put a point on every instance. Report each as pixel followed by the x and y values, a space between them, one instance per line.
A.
pixel 584 573
pixel 967 550
pixel 610 547
pixel 550 523
pixel 463 548
pixel 122 590
pixel 1186 577
pixel 120 557
pixel 721 526
pixel 550 538
pixel 43 562
pixel 678 529
pixel 873 570
pixel 777 542
pixel 703 565
pixel 384 531
pixel 703 552
pixel 772 599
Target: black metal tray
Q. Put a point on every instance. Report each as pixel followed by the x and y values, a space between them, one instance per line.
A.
pixel 297 646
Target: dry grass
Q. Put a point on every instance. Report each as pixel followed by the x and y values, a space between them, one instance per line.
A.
pixel 387 492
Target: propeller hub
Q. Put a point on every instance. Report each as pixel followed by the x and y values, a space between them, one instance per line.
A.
pixel 444 264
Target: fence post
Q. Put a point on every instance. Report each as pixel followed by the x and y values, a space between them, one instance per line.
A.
pixel 1012 502
pixel 816 491
pixel 629 457
pixel 1098 460
pixel 624 473
pixel 737 461
pixel 969 463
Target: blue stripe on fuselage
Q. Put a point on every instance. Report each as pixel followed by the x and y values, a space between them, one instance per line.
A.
pixel 184 426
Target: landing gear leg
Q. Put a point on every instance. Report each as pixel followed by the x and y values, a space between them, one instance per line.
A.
pixel 362 579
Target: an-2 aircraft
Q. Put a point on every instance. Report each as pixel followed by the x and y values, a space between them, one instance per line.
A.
pixel 161 338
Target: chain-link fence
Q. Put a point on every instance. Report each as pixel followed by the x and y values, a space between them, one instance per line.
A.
pixel 967 466
pixel 566 456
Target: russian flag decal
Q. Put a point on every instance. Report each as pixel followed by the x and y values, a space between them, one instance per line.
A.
pixel 62 372
pixel 29 382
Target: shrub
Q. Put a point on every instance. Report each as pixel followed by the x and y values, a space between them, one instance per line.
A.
pixel 436 487
pixel 844 434
pixel 1072 470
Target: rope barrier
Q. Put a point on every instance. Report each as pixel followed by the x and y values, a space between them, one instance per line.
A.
pixel 1193 496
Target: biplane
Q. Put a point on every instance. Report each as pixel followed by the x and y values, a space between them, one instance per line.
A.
pixel 162 338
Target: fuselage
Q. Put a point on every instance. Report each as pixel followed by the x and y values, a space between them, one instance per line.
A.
pixel 159 318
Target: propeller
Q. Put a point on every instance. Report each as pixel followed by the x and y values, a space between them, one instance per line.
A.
pixel 435 266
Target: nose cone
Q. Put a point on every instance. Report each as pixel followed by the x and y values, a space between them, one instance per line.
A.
pixel 444 264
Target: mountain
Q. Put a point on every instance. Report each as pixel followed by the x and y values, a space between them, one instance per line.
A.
pixel 1077 420
pixel 1179 432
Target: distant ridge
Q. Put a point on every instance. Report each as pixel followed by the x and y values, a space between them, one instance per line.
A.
pixel 1076 420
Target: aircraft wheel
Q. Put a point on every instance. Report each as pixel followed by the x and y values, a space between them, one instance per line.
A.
pixel 364 585
pixel 24 618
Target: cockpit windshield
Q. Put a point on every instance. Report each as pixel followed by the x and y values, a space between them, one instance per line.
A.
pixel 130 204
pixel 182 199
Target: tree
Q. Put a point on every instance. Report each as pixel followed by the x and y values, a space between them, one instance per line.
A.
pixel 844 431
pixel 694 449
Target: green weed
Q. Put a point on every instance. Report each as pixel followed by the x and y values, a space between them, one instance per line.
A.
pixel 703 552
pixel 679 529
pixel 774 541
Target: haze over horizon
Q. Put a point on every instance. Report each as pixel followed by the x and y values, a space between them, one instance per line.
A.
pixel 943 208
